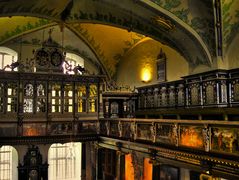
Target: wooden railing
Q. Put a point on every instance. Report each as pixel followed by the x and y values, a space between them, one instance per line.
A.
pixel 207 136
pixel 219 88
pixel 40 104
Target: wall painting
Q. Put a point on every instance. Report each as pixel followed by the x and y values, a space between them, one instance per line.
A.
pixel 143 132
pixel 191 136
pixel 34 130
pixel 166 134
pixel 225 139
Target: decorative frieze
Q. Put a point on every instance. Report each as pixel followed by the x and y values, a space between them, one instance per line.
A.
pixel 205 136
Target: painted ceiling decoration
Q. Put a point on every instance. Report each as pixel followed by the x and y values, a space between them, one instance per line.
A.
pixel 230 14
pixel 45 8
pixel 20 25
pixel 127 15
pixel 186 26
pixel 197 14
pixel 119 44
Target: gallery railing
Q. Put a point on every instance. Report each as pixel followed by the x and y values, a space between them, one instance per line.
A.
pixel 41 104
pixel 205 136
pixel 219 88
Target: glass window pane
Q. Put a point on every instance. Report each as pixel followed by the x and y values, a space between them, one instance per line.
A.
pixel 28 98
pixel 64 160
pixel 7 163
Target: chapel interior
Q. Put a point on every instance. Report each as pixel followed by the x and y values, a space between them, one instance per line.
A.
pixel 119 90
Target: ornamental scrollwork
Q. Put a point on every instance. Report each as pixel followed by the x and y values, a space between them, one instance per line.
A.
pixel 206 138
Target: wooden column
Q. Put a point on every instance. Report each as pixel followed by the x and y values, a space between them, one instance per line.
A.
pixel 120 170
pixel 100 100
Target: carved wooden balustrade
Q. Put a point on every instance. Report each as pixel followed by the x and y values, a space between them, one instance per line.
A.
pixel 194 142
pixel 218 88
pixel 41 104
pixel 208 136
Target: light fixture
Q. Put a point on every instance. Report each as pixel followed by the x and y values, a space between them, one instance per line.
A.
pixel 146 75
pixel 163 22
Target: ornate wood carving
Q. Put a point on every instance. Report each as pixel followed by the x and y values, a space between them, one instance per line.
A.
pixel 138 163
pixel 206 138
pixel 33 167
pixel 209 89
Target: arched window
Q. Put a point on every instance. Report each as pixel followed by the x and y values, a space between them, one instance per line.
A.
pixel 8 163
pixel 72 60
pixel 7 57
pixel 65 161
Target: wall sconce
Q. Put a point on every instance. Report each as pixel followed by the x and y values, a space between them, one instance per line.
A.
pixel 146 75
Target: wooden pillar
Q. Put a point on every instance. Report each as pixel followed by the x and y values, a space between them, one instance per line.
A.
pixel 100 100
pixel 156 171
pixel 120 170
pixel 138 163
pixel 90 161
pixel 20 108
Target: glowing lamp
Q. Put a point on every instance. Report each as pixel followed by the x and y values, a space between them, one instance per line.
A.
pixel 146 75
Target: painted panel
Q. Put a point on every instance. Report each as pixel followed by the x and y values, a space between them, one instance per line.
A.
pixel 8 130
pixel 144 132
pixel 88 127
pixel 61 128
pixel 34 129
pixel 126 133
pixel 225 139
pixel 165 134
pixel 191 136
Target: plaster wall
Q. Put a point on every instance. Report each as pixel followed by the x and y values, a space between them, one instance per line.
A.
pixel 232 55
pixel 144 54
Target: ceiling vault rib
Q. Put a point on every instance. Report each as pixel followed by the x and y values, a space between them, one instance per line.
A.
pixel 184 27
pixel 218 22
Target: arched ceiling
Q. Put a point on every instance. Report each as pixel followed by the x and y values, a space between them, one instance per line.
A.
pixel 193 28
pixel 230 16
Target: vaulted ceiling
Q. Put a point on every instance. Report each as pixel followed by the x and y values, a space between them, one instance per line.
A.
pixel 199 30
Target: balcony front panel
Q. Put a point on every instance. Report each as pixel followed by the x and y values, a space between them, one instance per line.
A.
pixel 205 136
pixel 219 88
pixel 40 104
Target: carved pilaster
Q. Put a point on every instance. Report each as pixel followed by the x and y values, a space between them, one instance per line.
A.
pixel 97 127
pixel 107 125
pixel 120 128
pixel 120 165
pixel 101 111
pixel 106 109
pixel 206 137
pixel 133 129
pixel 153 132
pixel 75 125
pixel 175 135
pixel 138 163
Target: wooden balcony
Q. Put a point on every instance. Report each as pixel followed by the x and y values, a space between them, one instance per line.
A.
pixel 210 93
pixel 41 104
pixel 209 145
